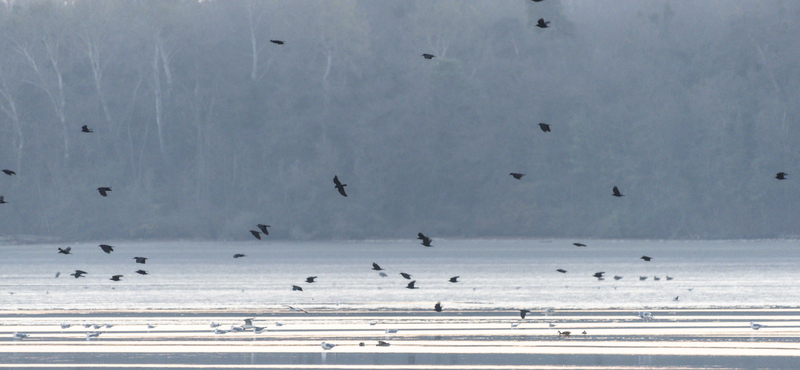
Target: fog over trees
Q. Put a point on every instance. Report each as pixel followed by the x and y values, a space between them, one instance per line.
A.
pixel 203 128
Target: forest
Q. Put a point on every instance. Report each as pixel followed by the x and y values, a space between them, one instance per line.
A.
pixel 204 128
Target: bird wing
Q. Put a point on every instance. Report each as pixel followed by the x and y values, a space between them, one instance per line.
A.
pixel 341 190
pixel 336 181
pixel 375 265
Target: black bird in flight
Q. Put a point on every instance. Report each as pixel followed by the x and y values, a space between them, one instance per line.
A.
pixel 9 172
pixel 78 273
pixel 141 272
pixel 310 279
pixel 140 259
pixel 646 258
pixel 579 244
pixel 779 176
pixel 238 255
pixel 64 251
pixel 598 275
pixel 104 190
pixel 256 234
pixel 522 313
pixel 279 42
pixel 86 129
pixel 339 186
pixel 411 285
pixel 616 192
pixel 426 241
pixel 428 56
pixel 407 276
pixel 437 307
pixel 517 175
pixel 106 248
pixel 562 271
pixel 545 127
pixel 454 279
pixel 376 267
pixel 541 23
pixel 116 278
pixel 297 288
pixel 264 228
pixel 2 200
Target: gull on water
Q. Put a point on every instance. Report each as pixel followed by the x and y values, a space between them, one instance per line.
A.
pixel 65 326
pixel 18 335
pixel 92 335
pixel 326 346
pixel 214 325
pixel 390 331
pixel 755 326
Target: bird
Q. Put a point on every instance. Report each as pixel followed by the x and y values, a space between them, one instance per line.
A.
pixel 522 313
pixel 382 344
pixel 779 176
pixel 516 175
pixel 108 326
pixel 92 335
pixel 219 331
pixel 454 279
pixel 669 278
pixel 140 259
pixel 310 279
pixel 64 251
pixel 562 271
pixel 104 190
pixel 278 323
pixel 296 309
pixel 256 234
pixel 78 273
pixel 584 332
pixel 617 277
pixel 426 241
pixel 428 56
pixel 264 228
pixel 545 127
pixel 149 326
pixel 297 288
pixel 376 267
pixel 411 285
pixel 239 255
pixel 326 346
pixel 646 258
pixel 598 275
pixel 676 298
pixel 85 128
pixel 18 335
pixel 579 244
pixel 97 326
pixel 616 193
pixel 514 325
pixel 755 326
pixel 656 278
pixel 563 334
pixel 437 307
pixel 382 274
pixel 390 331
pixel 87 326
pixel 214 325
pixel 58 274
pixel 2 200
pixel 116 278
pixel 537 1
pixel 279 42
pixel 259 329
pixel 339 186
pixel 141 272
pixel 65 326
pixel 407 276
pixel 106 248
pixel 642 278
pixel 9 172
pixel 541 23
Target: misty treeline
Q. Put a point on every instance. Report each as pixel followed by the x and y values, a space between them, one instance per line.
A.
pixel 204 128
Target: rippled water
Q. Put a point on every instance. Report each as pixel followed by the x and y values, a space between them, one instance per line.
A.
pixel 493 274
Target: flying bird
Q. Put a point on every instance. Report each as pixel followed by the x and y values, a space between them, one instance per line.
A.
pixel 411 285
pixel 376 267
pixel 279 42
pixel 256 234
pixel 296 309
pixel 428 56
pixel 522 313
pixel 579 244
pixel 2 200
pixel 562 271
pixel 326 346
pixel 239 255
pixel 779 176
pixel 84 128
pixel 407 276
pixel 437 307
pixel 545 127
pixel 116 278
pixel 9 172
pixel 140 259
pixel 516 175
pixel 64 251
pixel 426 241
pixel 104 190
pixel 646 258
pixel 297 288
pixel 616 193
pixel 339 186
pixel 310 279
pixel 454 279
pixel 106 248
pixel 541 23
pixel 264 228
pixel 141 272
pixel 78 273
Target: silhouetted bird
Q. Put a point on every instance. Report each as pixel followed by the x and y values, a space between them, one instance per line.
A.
pixel 310 279
pixel 437 307
pixel 779 176
pixel 579 244
pixel 256 234
pixel 541 23
pixel 238 255
pixel 656 278
pixel 106 248
pixel 517 175
pixel 616 193
pixel 382 344
pixel 545 127
pixel 454 279
pixel 676 298
pixel 104 190
pixel 279 42
pixel 140 259
pixel 116 278
pixel 598 275
pixel 642 278
pixel 564 334
pixel 669 278
pixel 646 258
pixel 2 200
pixel 617 277
pixel 84 128
pixel 407 276
pixel 522 313
pixel 562 271
pixel 411 285
pixel 64 251
pixel 426 241
pixel 297 288
pixel 78 273
pixel 141 272
pixel 428 56
pixel 264 228
pixel 9 172
pixel 339 186
pixel 376 267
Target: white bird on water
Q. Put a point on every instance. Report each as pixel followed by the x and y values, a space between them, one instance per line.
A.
pixel 65 326
pixel 214 325
pixel 92 335
pixel 326 346
pixel 391 331
pixel 755 326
